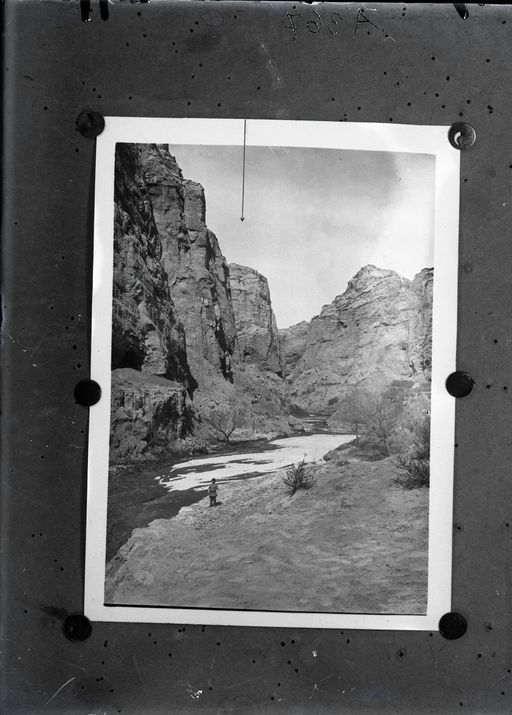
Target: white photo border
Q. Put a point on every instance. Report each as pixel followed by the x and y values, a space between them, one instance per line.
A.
pixel 329 135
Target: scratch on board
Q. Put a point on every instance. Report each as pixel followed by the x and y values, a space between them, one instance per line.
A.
pixel 277 698
pixel 349 665
pixel 59 690
pixel 136 665
pixel 75 666
pixel 277 79
pixel 243 682
pixel 316 689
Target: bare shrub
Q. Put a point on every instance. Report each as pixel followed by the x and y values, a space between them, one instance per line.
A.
pixel 384 412
pixel 355 411
pixel 297 477
pixel 374 417
pixel 224 421
pixel 394 420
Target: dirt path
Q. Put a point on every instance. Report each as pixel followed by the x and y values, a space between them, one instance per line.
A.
pixel 352 543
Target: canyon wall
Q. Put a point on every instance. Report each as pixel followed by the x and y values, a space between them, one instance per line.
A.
pixel 146 333
pixel 378 331
pixel 191 258
pixel 256 328
pixel 152 384
pixel 177 365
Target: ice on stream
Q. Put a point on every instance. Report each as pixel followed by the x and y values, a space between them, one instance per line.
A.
pixel 196 473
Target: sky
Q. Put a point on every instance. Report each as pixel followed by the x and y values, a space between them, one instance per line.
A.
pixel 314 217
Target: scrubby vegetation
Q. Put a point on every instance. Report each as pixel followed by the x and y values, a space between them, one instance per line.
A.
pixel 415 473
pixel 414 464
pixel 394 422
pixel 297 477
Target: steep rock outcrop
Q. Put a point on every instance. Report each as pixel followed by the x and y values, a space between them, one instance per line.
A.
pixel 196 270
pixel 149 413
pixel 145 332
pixel 151 380
pixel 421 324
pixel 258 337
pixel 376 332
pixel 293 342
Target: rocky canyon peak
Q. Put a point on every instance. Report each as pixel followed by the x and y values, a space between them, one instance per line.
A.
pixel 379 330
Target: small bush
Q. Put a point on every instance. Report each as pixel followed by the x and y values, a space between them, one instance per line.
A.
pixel 414 462
pixel 415 472
pixel 297 477
pixel 224 420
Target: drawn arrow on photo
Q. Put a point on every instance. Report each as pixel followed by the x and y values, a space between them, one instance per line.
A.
pixel 242 217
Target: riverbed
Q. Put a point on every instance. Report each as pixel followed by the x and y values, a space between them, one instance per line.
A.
pixel 279 453
pixel 140 495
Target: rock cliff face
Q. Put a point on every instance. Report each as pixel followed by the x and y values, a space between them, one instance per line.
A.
pixel 377 331
pixel 258 337
pixel 151 380
pixel 146 334
pixel 421 325
pixel 293 342
pixel 148 414
pixel 196 270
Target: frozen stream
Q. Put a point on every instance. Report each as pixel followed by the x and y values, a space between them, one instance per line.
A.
pixel 279 453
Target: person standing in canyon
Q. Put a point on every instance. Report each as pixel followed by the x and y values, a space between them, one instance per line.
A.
pixel 212 492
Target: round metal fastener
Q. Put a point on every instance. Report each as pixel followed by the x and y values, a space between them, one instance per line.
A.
pixel 461 135
pixel 452 626
pixel 77 627
pixel 87 392
pixel 459 383
pixel 90 123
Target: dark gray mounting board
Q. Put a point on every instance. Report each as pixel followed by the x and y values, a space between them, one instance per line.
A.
pixel 418 63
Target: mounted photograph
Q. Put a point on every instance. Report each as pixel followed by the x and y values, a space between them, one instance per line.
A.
pixel 274 319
